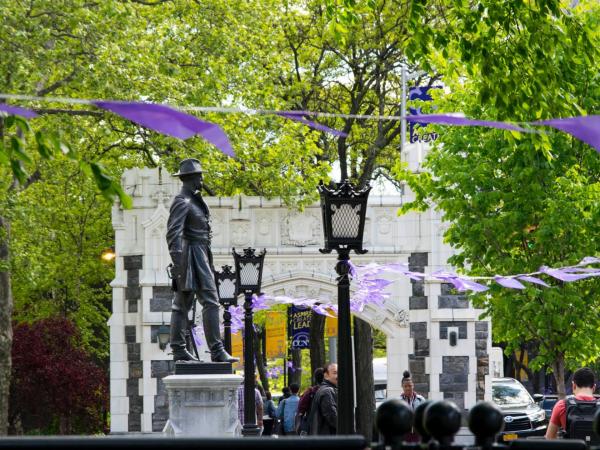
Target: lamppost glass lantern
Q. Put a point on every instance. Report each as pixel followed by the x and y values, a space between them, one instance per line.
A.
pixel 163 336
pixel 226 282
pixel 344 210
pixel 248 271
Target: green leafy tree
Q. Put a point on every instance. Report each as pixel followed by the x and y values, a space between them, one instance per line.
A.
pixel 73 48
pixel 346 57
pixel 514 201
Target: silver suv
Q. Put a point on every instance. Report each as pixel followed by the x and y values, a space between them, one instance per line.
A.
pixel 523 417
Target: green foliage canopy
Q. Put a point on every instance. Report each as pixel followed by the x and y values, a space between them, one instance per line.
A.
pixel 515 201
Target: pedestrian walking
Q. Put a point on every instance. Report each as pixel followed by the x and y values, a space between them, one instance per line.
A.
pixel 270 414
pixel 302 423
pixel 413 399
pixel 575 414
pixel 286 411
pixel 323 412
pixel 258 404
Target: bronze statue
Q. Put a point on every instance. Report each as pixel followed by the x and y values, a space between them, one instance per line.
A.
pixel 188 238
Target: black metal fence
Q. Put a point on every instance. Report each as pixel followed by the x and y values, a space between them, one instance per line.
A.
pixel 435 423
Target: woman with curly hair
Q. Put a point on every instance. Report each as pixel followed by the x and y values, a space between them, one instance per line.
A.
pixel 412 399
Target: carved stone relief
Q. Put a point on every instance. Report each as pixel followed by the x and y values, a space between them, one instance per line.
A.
pixel 232 409
pixel 384 224
pixel 240 233
pixel 289 266
pixel 162 197
pixel 204 397
pixel 313 266
pixel 300 229
pixel 216 224
pixel 401 317
pixel 264 226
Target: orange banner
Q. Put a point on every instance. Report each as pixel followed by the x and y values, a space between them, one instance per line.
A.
pixel 276 325
pixel 331 326
pixel 237 348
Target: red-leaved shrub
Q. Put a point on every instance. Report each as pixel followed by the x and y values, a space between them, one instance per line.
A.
pixel 56 387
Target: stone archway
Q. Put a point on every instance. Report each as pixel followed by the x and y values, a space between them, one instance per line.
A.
pixel 390 319
pixel 417 319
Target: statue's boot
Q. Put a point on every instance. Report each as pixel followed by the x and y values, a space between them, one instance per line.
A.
pixel 212 333
pixel 178 343
pixel 223 356
pixel 181 354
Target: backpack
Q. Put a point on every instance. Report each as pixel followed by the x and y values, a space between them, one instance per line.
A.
pixel 580 417
pixel 302 421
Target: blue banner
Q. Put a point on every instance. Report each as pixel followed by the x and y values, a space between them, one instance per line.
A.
pixel 300 326
pixel 420 93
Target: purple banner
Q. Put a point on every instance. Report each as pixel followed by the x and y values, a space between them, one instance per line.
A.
pixel 584 128
pixel 169 121
pixel 299 117
pixel 445 119
pixel 17 111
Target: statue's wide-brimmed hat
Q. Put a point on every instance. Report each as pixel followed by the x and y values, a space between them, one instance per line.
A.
pixel 188 166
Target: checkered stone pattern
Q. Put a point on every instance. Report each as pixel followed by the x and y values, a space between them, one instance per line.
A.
pixel 416 360
pixel 417 263
pixel 133 265
pixel 160 369
pixel 454 379
pixel 483 358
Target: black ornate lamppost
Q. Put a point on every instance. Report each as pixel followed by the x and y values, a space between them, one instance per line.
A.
pixel 248 271
pixel 227 290
pixel 344 211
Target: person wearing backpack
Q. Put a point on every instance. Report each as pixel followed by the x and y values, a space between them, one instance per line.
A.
pixel 302 423
pixel 323 412
pixel 270 414
pixel 575 413
pixel 286 411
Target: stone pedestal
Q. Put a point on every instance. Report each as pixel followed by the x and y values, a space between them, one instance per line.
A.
pixel 203 405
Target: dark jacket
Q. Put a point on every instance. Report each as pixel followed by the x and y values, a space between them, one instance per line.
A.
pixel 306 399
pixel 188 238
pixel 323 412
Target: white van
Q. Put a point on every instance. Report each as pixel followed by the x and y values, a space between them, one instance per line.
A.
pixel 380 380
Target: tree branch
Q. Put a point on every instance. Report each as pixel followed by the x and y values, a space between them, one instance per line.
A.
pixel 57 84
pixel 70 112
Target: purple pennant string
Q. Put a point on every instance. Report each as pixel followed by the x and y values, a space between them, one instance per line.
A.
pixel 589 260
pixel 371 289
pixel 17 111
pixel 564 275
pixel 584 128
pixel 508 282
pixel 169 121
pixel 444 119
pixel 300 117
pixel 323 310
pixel 459 283
pixel 534 280
pixel 463 284
pixel 196 335
pixel 259 302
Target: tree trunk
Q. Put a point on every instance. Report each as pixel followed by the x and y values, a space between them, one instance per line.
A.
pixel 6 306
pixel 295 373
pixel 317 341
pixel 558 369
pixel 259 358
pixel 365 394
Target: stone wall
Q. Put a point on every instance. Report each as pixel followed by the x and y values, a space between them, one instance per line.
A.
pixel 416 318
